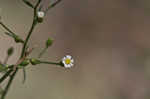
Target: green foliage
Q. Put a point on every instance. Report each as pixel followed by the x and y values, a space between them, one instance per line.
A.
pixel 24 63
pixel 12 69
pixel 49 42
pixel 34 61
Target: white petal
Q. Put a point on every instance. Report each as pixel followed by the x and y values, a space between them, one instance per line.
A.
pixel 71 64
pixel 40 14
pixel 67 66
pixel 72 60
pixel 68 56
pixel 63 62
pixel 64 59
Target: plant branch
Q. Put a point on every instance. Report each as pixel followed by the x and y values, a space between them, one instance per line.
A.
pixel 42 52
pixel 28 3
pixel 10 33
pixel 5 27
pixel 31 29
pixel 47 62
pixel 8 85
pixel 13 69
pixel 24 75
pixel 5 75
pixel 52 5
pixel 29 34
pixel 23 50
pixel 37 4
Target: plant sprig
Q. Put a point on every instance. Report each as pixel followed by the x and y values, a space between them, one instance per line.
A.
pixel 10 71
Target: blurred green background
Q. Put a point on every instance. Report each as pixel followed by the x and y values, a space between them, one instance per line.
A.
pixel 109 40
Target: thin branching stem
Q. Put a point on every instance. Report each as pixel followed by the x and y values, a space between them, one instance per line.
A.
pixel 24 75
pixel 28 36
pixel 23 51
pixel 5 27
pixel 47 62
pixel 8 85
pixel 5 75
pixel 42 52
pixel 52 5
pixel 13 69
pixel 28 3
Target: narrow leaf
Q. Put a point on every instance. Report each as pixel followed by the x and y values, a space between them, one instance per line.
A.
pixel 28 3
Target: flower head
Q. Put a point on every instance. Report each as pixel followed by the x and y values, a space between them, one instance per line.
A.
pixel 68 61
pixel 40 14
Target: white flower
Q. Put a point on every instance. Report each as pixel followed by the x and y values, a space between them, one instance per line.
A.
pixel 40 14
pixel 68 61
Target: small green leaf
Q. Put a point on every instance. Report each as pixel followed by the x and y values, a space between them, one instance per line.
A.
pixel 49 42
pixel 24 75
pixel 34 61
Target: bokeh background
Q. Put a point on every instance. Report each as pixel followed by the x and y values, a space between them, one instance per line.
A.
pixel 109 40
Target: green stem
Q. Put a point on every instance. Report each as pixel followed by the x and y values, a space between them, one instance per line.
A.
pixel 27 38
pixel 43 51
pixel 52 5
pixel 4 26
pixel 37 4
pixel 24 75
pixel 28 3
pixel 46 62
pixel 31 29
pixel 5 75
pixel 29 35
pixel 23 50
pixel 8 85
pixel 11 34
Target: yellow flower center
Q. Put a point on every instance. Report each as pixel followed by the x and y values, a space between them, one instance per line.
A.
pixel 67 61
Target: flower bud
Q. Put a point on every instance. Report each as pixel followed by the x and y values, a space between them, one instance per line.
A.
pixel 10 51
pixel 40 16
pixel 49 42
pixel 34 61
pixel 18 39
pixel 25 62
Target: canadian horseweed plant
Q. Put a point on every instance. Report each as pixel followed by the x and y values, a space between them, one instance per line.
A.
pixel 9 70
